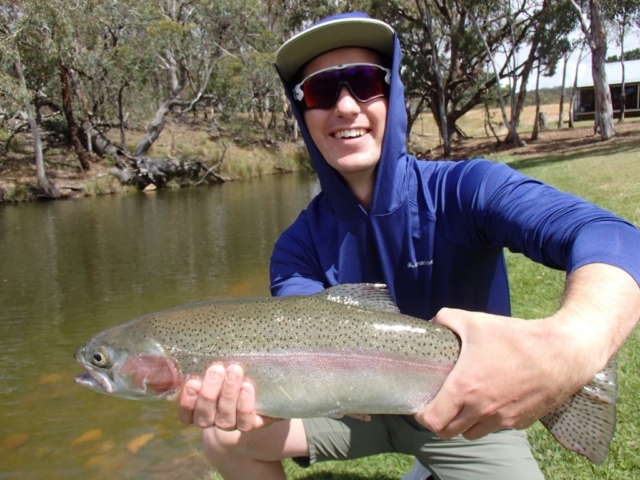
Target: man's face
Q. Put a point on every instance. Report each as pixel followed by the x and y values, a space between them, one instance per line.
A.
pixel 349 134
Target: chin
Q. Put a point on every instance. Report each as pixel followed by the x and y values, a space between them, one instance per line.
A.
pixel 355 163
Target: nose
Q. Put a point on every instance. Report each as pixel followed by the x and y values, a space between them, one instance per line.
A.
pixel 346 104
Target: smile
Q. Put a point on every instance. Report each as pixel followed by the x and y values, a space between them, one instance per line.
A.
pixel 352 133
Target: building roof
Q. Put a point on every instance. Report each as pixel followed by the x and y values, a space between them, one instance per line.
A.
pixel 614 73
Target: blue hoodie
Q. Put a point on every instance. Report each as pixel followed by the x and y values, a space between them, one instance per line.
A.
pixel 435 231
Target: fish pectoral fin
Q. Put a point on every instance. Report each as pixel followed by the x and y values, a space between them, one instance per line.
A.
pixel 586 422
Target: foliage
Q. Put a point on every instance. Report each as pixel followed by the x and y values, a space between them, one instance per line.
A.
pixel 135 64
pixel 628 55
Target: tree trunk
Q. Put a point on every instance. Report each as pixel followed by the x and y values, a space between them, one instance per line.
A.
pixel 413 115
pixel 596 36
pixel 536 121
pixel 623 96
pixel 512 136
pixel 264 118
pixel 157 124
pixel 67 108
pixel 123 143
pixel 604 110
pixel 564 82
pixel 572 100
pixel 441 102
pixel 79 89
pixel 154 128
pixel 43 182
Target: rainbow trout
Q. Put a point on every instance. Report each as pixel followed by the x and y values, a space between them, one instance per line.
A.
pixel 346 350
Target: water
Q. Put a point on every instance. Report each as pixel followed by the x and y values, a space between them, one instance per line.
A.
pixel 70 269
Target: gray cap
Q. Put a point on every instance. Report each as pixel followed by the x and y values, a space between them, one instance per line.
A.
pixel 337 33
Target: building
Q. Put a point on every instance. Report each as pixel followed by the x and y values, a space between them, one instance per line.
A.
pixel 585 103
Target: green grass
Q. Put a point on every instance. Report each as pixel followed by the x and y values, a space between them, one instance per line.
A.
pixel 609 175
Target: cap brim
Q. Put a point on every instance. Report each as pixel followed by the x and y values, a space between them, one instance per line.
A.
pixel 339 33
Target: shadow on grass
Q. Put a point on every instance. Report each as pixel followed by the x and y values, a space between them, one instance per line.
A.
pixel 586 149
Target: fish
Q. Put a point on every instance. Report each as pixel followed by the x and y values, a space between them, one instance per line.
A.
pixel 344 351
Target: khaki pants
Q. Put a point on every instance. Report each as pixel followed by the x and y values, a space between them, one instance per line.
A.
pixel 503 455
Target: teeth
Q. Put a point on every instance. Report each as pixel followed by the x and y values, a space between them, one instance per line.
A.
pixel 354 132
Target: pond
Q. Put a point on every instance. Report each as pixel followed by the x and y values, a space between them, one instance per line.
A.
pixel 70 269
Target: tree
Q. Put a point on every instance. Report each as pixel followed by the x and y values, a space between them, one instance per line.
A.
pixel 442 35
pixel 189 38
pixel 622 14
pixel 53 41
pixel 508 123
pixel 424 11
pixel 595 36
pixel 11 16
pixel 628 55
pixel 565 61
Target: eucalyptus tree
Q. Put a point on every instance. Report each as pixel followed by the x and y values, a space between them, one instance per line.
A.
pixel 591 15
pixel 450 36
pixel 50 41
pixel 189 37
pixel 285 18
pixel 113 68
pixel 547 45
pixel 14 88
pixel 623 15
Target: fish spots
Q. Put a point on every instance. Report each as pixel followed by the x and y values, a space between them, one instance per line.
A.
pixel 585 423
pixel 230 330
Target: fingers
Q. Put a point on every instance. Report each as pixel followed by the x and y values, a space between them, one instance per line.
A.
pixel 500 380
pixel 246 414
pixel 187 400
pixel 227 391
pixel 206 407
pixel 222 399
pixel 441 414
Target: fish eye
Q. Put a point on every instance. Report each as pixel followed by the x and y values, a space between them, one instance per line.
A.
pixel 100 358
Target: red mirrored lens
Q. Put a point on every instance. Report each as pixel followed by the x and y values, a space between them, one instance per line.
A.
pixel 365 83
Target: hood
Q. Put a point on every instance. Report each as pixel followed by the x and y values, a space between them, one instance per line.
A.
pixel 391 182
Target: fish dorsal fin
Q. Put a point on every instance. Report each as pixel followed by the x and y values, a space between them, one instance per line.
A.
pixel 369 296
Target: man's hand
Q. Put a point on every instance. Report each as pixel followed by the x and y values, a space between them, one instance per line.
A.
pixel 510 373
pixel 221 399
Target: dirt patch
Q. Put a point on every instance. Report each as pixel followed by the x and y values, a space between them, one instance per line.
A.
pixel 549 142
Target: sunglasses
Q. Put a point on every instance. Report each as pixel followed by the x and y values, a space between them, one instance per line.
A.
pixel 365 81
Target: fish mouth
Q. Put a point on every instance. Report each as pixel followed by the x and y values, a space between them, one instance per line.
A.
pixel 95 381
pixel 92 378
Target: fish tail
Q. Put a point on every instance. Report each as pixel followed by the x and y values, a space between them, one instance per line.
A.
pixel 586 422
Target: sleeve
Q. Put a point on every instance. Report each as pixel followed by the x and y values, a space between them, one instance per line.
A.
pixel 499 206
pixel 294 268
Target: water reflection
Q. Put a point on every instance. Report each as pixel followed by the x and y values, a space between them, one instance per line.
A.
pixel 70 269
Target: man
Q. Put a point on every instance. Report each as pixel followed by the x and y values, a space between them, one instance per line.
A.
pixel 434 233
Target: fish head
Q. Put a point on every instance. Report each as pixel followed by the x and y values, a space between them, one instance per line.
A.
pixel 119 362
